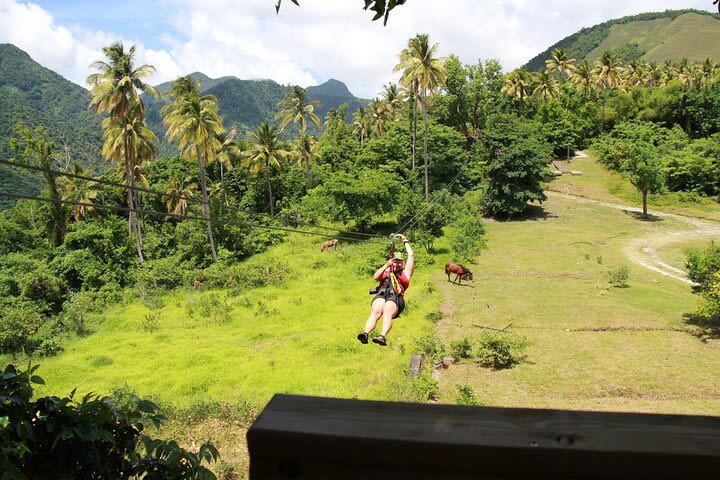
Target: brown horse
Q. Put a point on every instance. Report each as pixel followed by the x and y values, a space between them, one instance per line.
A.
pixel 330 244
pixel 459 271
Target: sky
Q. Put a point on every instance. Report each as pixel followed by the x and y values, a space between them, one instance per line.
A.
pixel 304 45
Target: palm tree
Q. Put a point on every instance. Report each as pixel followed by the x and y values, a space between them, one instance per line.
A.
pixel 297 109
pixel 393 97
pixel 361 124
pixel 545 85
pixel 583 77
pixel 684 72
pixel 305 150
pixel 380 114
pixel 607 75
pixel 419 65
pixel 517 85
pixel 265 150
pixel 708 71
pixel 634 73
pixel 229 151
pixel 114 91
pixel 194 121
pixel 140 141
pixel 78 190
pixel 177 194
pixel 560 62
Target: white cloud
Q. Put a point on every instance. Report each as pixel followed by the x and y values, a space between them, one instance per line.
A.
pixel 321 39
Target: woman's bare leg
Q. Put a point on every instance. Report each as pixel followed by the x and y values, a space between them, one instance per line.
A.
pixel 389 311
pixel 376 311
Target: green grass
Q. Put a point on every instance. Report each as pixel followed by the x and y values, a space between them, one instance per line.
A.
pixel 692 36
pixel 544 278
pixel 298 337
pixel 597 182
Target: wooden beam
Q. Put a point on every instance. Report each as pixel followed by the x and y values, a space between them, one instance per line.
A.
pixel 312 437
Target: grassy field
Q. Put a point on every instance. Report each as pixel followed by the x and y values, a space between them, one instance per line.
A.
pixel 296 337
pixel 599 183
pixel 592 346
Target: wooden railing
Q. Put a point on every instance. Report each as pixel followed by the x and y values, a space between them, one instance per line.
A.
pixel 312 437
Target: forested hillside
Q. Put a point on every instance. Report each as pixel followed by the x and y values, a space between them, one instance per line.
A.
pixel 37 96
pixel 246 103
pixel 656 36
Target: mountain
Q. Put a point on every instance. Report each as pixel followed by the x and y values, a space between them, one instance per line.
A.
pixel 658 36
pixel 246 103
pixel 40 97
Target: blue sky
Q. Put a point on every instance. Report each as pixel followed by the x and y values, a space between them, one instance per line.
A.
pixel 304 45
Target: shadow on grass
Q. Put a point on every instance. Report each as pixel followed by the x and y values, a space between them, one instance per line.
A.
pixel 463 285
pixel 710 326
pixel 642 217
pixel 531 213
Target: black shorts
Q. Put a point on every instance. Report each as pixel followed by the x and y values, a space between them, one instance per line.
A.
pixel 390 296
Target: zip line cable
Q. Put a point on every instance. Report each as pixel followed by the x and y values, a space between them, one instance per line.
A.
pixel 422 212
pixel 180 197
pixel 172 215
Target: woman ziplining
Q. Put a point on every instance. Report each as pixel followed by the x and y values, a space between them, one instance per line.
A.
pixel 389 301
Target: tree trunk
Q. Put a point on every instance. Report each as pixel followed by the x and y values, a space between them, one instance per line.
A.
pixel 57 211
pixel 267 177
pixel 132 225
pixel 425 152
pixel 414 130
pixel 206 203
pixel 602 127
pixel 362 137
pixel 645 204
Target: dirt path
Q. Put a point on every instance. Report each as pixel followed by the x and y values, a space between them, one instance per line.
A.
pixel 642 251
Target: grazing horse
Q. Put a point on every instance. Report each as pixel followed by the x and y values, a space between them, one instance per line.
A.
pixel 459 271
pixel 330 244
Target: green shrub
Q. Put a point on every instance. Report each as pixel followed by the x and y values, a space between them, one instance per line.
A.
pixel 150 322
pixel 424 387
pixel 618 277
pixel 430 347
pixel 461 348
pixel 468 237
pixel 19 327
pixel 499 350
pixel 434 316
pixel 166 272
pixel 465 395
pixel 93 437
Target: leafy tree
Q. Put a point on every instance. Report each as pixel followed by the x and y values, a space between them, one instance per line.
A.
pixel 35 148
pixel 381 8
pixel 357 196
pixel 427 219
pixel 93 437
pixel 115 92
pixel 297 109
pixel 517 164
pixel 265 150
pixel 703 268
pixel 644 170
pixel 468 237
pixel 421 67
pixel 194 121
